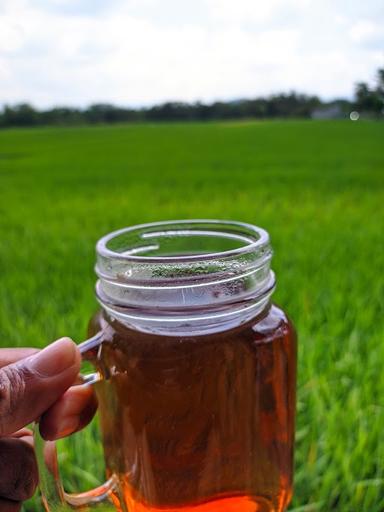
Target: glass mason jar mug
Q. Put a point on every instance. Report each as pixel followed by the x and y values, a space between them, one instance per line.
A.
pixel 196 373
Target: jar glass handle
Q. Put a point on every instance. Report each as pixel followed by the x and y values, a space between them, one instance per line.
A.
pixel 54 498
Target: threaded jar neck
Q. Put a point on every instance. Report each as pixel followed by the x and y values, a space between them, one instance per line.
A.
pixel 184 275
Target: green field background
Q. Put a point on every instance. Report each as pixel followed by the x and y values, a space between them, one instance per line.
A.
pixel 317 187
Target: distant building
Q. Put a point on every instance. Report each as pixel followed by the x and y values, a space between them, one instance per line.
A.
pixel 333 111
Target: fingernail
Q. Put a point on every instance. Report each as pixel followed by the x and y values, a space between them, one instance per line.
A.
pixel 55 359
pixel 67 427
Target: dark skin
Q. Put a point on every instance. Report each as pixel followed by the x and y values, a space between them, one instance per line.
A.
pixel 36 385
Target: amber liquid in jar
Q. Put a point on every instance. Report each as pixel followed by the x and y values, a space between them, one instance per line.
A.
pixel 201 423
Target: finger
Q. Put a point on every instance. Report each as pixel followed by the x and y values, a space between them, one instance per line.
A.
pixel 9 506
pixel 23 432
pixel 28 439
pixel 12 355
pixel 18 469
pixel 72 412
pixel 30 386
pixel 50 454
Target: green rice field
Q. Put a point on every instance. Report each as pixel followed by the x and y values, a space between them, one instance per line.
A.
pixel 316 186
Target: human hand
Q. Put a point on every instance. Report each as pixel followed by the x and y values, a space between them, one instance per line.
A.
pixel 35 385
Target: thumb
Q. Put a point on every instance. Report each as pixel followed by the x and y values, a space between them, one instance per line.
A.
pixel 30 386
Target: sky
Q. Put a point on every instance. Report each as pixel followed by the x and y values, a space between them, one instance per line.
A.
pixel 142 52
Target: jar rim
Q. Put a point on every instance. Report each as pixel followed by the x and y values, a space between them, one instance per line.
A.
pixel 257 238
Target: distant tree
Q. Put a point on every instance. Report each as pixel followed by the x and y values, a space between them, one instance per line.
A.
pixel 380 87
pixel 106 113
pixel 380 78
pixel 62 116
pixel 363 96
pixel 371 99
pixel 172 111
pixel 20 115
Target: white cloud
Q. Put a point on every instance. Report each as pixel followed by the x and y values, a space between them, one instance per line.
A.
pixel 11 37
pixel 362 30
pixel 135 52
pixel 248 11
pixel 367 33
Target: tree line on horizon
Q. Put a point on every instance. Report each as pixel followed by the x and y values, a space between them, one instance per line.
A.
pixel 368 100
